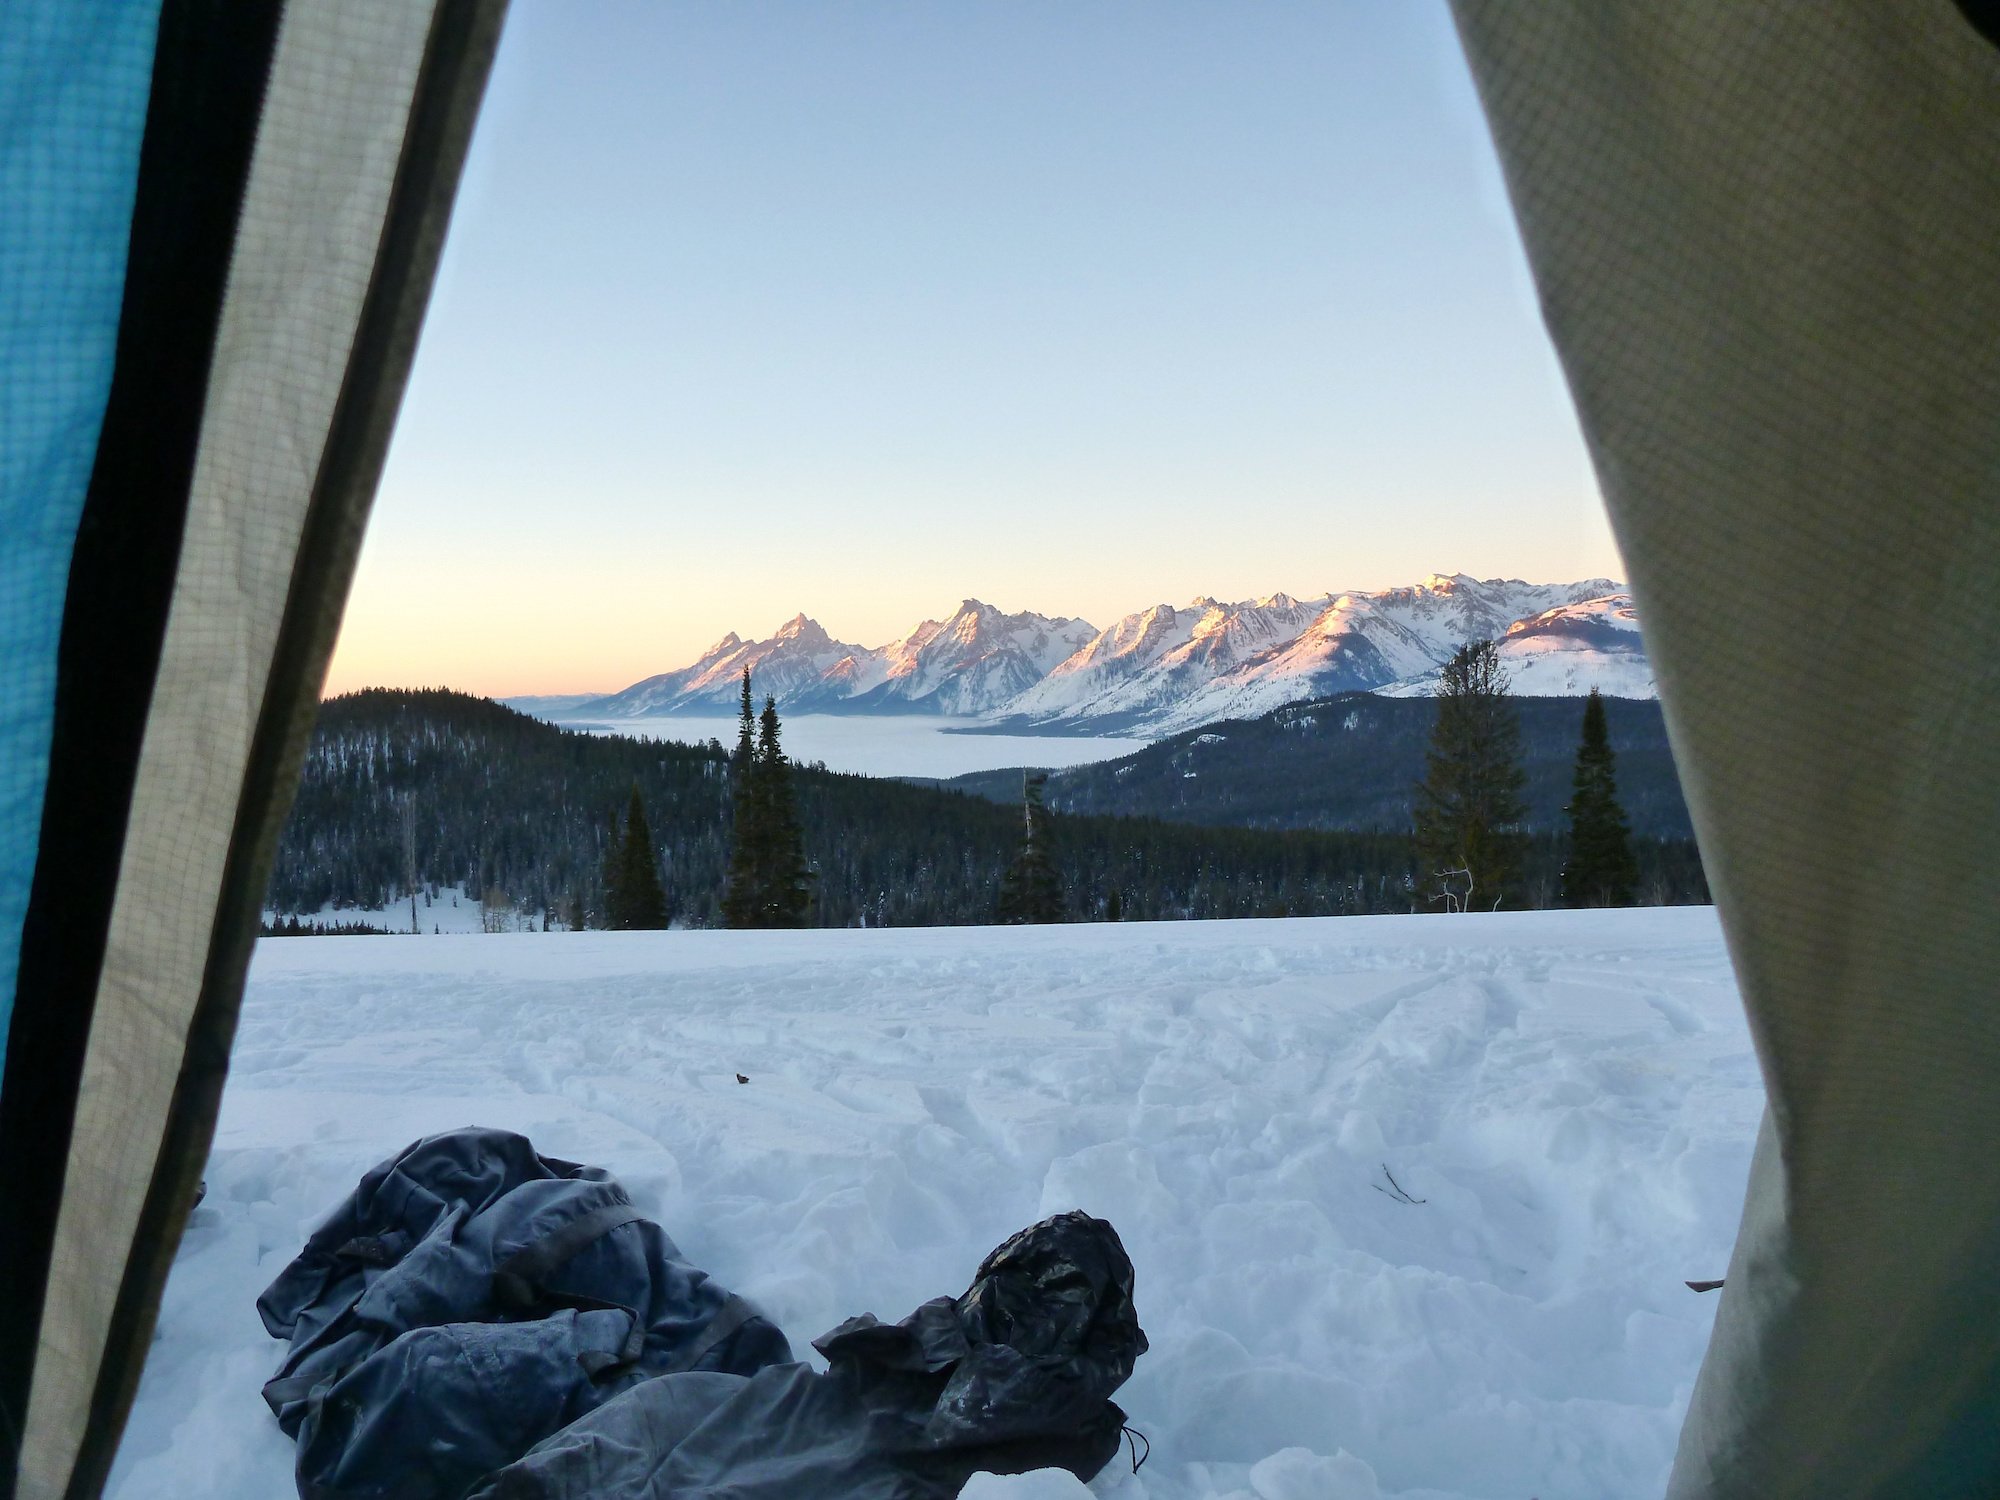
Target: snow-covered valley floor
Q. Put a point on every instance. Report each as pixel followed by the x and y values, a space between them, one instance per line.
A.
pixel 1571 1095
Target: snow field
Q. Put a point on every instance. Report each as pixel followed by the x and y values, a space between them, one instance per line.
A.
pixel 1570 1095
pixel 451 913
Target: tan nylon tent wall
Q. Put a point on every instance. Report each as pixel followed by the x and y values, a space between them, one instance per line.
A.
pixel 1767 242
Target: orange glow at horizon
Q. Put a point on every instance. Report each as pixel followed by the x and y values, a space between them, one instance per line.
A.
pixel 754 310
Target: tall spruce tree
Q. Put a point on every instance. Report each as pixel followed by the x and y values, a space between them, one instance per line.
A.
pixel 636 899
pixel 747 832
pixel 607 875
pixel 1031 890
pixel 1469 802
pixel 783 879
pixel 1600 869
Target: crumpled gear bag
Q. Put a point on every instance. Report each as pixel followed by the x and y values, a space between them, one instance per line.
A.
pixel 470 1298
pixel 1015 1374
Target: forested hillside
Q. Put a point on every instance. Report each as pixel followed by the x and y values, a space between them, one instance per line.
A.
pixel 502 803
pixel 1351 762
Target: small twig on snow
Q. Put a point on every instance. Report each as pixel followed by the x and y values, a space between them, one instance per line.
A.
pixel 1395 1188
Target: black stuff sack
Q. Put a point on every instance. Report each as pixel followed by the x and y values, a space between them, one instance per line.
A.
pixel 1015 1374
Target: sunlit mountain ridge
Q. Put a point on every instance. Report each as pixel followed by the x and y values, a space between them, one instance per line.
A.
pixel 1169 667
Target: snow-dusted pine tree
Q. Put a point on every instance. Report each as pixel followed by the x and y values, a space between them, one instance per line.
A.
pixel 1469 802
pixel 1031 890
pixel 784 881
pixel 636 898
pixel 1600 869
pixel 739 901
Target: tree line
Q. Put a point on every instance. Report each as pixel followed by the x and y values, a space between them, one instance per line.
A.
pixel 1352 761
pixel 1470 848
pixel 568 829
pixel 516 811
pixel 769 882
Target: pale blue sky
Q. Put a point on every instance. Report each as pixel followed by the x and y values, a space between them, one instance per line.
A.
pixel 862 308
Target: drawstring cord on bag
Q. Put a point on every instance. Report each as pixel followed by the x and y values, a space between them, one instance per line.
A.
pixel 1138 1458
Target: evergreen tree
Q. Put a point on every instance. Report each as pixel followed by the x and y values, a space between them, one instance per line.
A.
pixel 784 882
pixel 1469 802
pixel 1600 870
pixel 748 823
pixel 607 877
pixel 1031 890
pixel 635 898
pixel 525 802
pixel 745 753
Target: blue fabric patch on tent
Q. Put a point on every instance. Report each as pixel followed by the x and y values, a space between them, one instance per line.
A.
pixel 75 78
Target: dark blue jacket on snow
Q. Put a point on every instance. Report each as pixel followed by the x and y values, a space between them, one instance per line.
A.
pixel 470 1298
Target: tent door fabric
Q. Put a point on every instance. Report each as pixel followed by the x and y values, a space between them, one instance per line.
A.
pixel 294 178
pixel 1767 244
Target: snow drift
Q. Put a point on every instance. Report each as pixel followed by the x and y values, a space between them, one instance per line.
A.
pixel 1410 1199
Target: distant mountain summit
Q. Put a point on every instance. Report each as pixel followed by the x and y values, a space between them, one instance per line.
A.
pixel 966 665
pixel 792 662
pixel 1566 651
pixel 1166 669
pixel 1148 665
pixel 1173 667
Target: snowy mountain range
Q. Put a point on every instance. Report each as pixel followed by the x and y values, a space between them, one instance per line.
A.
pixel 965 666
pixel 1170 668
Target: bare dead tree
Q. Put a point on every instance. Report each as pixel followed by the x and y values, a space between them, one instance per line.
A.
pixel 1455 901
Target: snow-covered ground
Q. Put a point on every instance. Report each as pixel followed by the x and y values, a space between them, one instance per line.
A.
pixel 453 911
pixel 1570 1098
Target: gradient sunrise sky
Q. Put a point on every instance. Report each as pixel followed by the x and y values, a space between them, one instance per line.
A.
pixel 864 308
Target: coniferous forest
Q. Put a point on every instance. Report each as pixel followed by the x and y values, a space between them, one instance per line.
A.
pixel 483 798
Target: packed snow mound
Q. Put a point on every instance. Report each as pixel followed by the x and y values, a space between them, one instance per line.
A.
pixel 1410 1199
pixel 1042 1484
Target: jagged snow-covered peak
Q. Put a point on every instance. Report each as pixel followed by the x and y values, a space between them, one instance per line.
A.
pixel 1121 651
pixel 1610 621
pixel 1175 667
pixel 803 631
pixel 967 664
pixel 797 655
pixel 1479 608
pixel 1566 651
pixel 1243 660
pixel 972 662
pixel 974 628
pixel 1147 660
